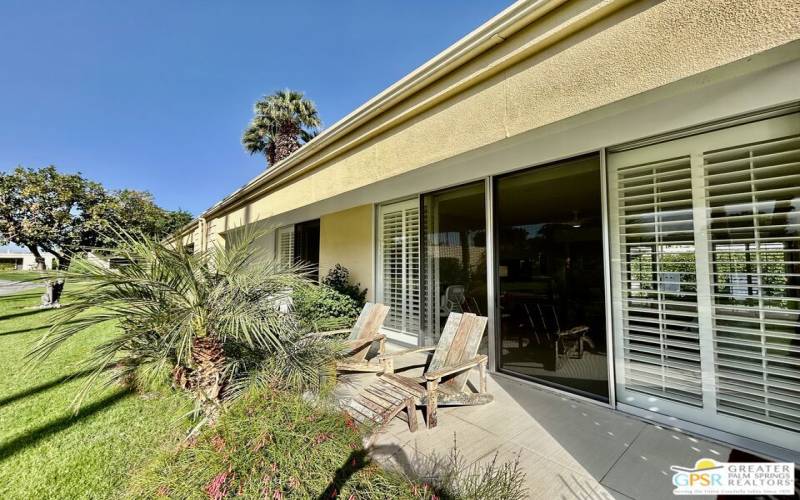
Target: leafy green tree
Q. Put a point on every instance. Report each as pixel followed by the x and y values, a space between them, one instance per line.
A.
pixel 283 121
pixel 48 211
pixel 134 210
pixel 212 318
pixel 40 209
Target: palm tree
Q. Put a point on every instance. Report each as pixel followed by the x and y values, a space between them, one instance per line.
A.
pixel 212 318
pixel 283 121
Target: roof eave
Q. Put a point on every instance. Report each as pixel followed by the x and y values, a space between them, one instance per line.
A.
pixel 486 36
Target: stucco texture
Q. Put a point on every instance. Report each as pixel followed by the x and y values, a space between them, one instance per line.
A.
pixel 346 239
pixel 638 47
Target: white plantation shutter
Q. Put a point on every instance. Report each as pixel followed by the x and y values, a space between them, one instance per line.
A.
pixel 705 237
pixel 753 201
pixel 398 261
pixel 658 284
pixel 285 244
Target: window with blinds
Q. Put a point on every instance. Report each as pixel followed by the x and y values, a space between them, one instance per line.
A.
pixel 753 202
pixel 284 241
pixel 705 237
pixel 398 258
pixel 659 290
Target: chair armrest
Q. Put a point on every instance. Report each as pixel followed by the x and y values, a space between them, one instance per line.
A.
pixel 355 343
pixel 466 365
pixel 408 351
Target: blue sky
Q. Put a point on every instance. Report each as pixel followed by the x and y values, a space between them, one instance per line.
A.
pixel 154 95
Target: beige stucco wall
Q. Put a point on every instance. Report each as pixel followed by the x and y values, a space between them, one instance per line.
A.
pixel 346 239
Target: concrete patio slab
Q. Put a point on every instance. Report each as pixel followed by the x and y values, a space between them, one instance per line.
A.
pixel 546 478
pixel 652 454
pixel 567 447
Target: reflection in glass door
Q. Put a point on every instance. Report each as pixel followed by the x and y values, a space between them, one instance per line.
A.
pixel 550 273
pixel 454 256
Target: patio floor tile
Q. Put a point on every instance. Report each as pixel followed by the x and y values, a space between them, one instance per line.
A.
pixel 644 469
pixel 471 441
pixel 548 479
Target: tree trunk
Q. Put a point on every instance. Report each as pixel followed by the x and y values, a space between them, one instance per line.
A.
pixel 64 258
pixel 64 261
pixel 286 141
pixel 208 360
pixel 271 154
pixel 40 263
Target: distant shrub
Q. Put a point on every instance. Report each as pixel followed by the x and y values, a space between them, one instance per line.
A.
pixel 338 278
pixel 317 303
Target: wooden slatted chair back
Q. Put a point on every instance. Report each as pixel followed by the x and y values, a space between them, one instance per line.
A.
pixel 368 324
pixel 458 343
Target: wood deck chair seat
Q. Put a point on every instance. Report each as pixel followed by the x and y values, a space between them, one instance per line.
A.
pixel 383 400
pixel 363 335
pixel 443 381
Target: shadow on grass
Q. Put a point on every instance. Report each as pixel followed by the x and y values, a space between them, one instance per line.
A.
pixel 23 313
pixel 18 444
pixel 25 330
pixel 40 329
pixel 11 297
pixel 42 387
pixel 357 460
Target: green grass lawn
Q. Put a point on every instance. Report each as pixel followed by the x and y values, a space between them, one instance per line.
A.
pixel 46 451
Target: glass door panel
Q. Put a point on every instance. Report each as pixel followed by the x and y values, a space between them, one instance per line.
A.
pixel 454 256
pixel 550 274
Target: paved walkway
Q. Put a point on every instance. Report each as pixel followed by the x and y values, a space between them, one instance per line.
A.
pixel 567 448
pixel 9 287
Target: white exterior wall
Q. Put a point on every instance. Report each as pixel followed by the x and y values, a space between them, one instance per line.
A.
pixel 28 260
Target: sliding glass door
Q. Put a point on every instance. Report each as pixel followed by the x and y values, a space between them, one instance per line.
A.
pixel 549 248
pixel 454 256
pixel 705 241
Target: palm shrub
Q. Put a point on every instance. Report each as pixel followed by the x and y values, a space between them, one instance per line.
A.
pixel 211 318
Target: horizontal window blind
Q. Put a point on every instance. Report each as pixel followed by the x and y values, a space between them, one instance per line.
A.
pixel 753 202
pixel 285 242
pixel 400 267
pixel 659 290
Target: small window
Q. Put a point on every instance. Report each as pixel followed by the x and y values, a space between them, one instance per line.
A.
pixel 284 242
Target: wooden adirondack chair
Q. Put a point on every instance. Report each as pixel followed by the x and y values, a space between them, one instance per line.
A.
pixel 442 383
pixel 364 333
